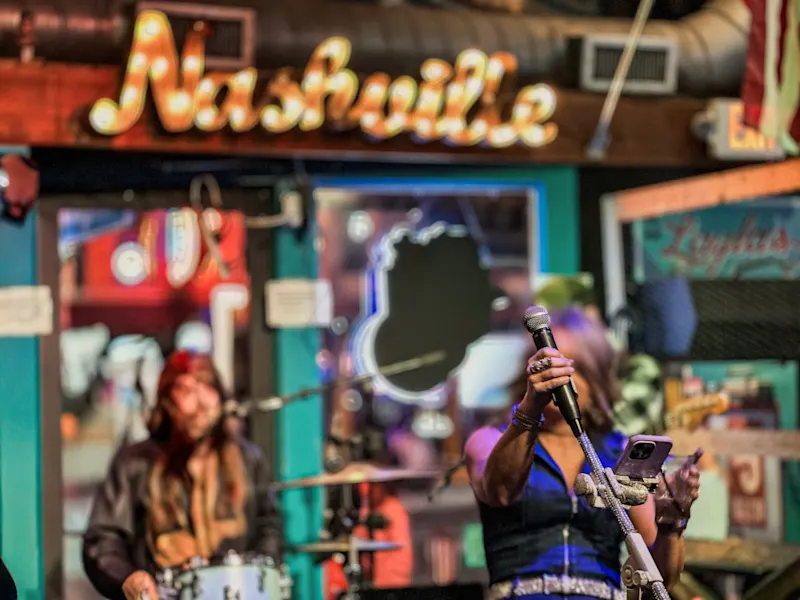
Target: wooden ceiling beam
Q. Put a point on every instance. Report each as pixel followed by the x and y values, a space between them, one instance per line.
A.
pixel 706 191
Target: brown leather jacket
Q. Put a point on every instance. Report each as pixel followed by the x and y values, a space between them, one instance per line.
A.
pixel 115 542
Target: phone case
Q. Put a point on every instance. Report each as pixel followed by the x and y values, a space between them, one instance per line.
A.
pixel 645 468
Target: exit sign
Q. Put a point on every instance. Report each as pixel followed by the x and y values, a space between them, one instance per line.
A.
pixel 729 138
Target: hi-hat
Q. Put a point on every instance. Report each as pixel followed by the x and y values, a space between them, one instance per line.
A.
pixel 356 473
pixel 344 546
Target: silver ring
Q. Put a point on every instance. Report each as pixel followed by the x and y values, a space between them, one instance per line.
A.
pixel 540 365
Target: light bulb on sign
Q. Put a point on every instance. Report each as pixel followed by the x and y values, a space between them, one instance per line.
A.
pixel 129 95
pixel 138 61
pixel 192 63
pixel 160 67
pixel 206 117
pixel 360 227
pixel 102 115
pixel 180 102
pixel 130 264
pixel 148 27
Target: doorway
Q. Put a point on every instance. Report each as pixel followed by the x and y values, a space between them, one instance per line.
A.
pixel 135 285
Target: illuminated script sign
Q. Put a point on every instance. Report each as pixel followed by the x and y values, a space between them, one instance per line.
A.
pixel 457 104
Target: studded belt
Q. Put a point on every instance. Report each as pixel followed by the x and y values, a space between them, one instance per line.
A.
pixel 552 584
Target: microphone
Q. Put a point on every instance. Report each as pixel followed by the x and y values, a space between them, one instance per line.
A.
pixel 537 322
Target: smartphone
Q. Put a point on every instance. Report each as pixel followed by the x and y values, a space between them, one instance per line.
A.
pixel 643 457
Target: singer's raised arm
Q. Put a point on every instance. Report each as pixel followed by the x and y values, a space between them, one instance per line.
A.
pixel 499 462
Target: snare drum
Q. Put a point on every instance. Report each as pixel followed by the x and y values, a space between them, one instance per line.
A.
pixel 233 577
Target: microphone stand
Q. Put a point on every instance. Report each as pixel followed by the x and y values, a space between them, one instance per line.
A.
pixel 640 571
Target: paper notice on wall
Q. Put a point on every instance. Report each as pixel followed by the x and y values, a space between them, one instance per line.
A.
pixel 26 311
pixel 299 303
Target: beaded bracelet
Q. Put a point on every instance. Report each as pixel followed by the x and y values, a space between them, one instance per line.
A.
pixel 523 421
pixel 674 527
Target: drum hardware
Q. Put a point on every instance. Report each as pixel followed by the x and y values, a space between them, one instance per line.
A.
pixel 230 594
pixel 347 545
pixel 197 589
pixel 353 571
pixel 232 576
pixel 351 548
pixel 243 408
pixel 356 473
pixel 232 559
pixel 167 577
pixel 335 460
pixel 287 583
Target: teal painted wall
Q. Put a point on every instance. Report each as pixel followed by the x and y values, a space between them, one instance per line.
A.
pixel 20 436
pixel 562 251
pixel 299 439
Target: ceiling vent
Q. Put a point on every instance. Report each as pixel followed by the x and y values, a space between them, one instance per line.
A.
pixel 231 45
pixel 654 68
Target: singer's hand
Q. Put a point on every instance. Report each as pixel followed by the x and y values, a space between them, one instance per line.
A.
pixel 542 381
pixel 684 486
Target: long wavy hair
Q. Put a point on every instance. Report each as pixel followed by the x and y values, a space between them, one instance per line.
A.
pixel 224 476
pixel 596 362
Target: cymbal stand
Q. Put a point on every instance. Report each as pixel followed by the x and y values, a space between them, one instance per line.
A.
pixel 353 571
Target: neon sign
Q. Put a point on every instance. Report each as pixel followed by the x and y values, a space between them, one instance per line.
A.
pixel 365 336
pixel 185 256
pixel 437 108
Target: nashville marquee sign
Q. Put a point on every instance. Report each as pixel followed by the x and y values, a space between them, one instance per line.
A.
pixel 457 104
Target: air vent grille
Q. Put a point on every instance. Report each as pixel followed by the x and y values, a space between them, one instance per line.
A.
pixel 232 39
pixel 653 68
pixel 647 65
pixel 225 40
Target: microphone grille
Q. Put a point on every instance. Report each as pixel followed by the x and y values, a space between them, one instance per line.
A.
pixel 536 318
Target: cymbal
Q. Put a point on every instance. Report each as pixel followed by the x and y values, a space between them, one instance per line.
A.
pixel 343 546
pixel 356 473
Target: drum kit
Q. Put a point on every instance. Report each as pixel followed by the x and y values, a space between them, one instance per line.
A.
pixel 233 576
pixel 236 576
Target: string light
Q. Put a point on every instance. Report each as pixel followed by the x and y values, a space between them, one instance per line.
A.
pixel 456 104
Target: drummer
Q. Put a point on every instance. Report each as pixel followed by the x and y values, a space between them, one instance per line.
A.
pixel 193 489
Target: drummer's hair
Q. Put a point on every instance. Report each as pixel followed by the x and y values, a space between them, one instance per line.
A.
pixel 226 468
pixel 182 362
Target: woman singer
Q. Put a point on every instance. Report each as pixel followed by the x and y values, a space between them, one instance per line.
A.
pixel 541 540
